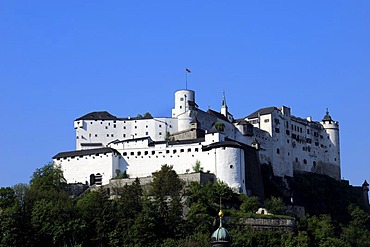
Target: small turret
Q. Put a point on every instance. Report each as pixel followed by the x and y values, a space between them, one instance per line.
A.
pixel 224 109
pixel 327 117
pixel 365 190
pixel 224 106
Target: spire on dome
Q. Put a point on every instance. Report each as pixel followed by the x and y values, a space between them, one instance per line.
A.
pixel 221 237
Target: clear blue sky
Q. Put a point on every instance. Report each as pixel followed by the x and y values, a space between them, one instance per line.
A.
pixel 62 59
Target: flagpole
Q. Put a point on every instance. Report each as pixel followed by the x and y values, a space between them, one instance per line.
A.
pixel 186 79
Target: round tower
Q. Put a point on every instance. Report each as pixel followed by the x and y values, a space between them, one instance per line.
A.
pixel 332 129
pixel 182 99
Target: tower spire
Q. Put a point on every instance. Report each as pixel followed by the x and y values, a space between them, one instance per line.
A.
pixel 224 105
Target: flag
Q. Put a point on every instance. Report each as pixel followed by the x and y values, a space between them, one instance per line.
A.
pixel 188 70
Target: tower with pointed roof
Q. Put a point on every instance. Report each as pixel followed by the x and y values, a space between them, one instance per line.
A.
pixel 224 109
pixel 333 155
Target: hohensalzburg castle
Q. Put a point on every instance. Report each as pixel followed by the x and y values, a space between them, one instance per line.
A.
pixel 232 149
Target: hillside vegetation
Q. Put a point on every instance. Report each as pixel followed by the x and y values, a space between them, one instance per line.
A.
pixel 42 213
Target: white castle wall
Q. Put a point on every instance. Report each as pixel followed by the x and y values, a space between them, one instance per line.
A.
pixel 298 144
pixel 226 163
pixel 105 131
pixel 79 168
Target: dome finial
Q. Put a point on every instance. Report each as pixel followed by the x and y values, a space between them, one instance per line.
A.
pixel 220 213
pixel 327 117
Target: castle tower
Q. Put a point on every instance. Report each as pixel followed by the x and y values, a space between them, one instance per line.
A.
pixel 224 106
pixel 332 129
pixel 224 109
pixel 184 102
pixel 365 190
pixel 182 99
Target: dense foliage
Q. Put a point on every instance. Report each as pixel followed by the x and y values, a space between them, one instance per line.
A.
pixel 168 214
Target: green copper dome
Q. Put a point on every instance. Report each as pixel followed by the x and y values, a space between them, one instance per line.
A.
pixel 221 234
pixel 221 237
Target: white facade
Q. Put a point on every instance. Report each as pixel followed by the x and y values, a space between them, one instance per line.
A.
pixel 286 142
pixel 99 132
pixel 78 166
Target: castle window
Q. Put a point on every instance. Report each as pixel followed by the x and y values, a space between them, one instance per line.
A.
pixel 181 150
pixel 114 121
pixel 231 166
pixel 304 161
pixel 138 153
pixel 76 137
pixel 160 126
pixel 181 99
pixel 308 131
pixel 287 132
pixel 147 133
pixel 106 127
pixel 146 126
pixel 174 151
pixel 300 130
pixel 170 126
pixel 314 163
pixel 167 151
pixel 107 135
pixel 114 126
pixel 196 149
pixel 135 127
pixel 96 135
pixel 189 150
pixel 267 120
pixel 180 107
pixel 124 127
pixel 146 152
pixel 296 159
pixel 111 135
pixel 160 133
pixel 132 153
pixel 124 135
pixel 277 130
pixel 124 154
pixel 287 141
pixel 153 152
pixel 278 151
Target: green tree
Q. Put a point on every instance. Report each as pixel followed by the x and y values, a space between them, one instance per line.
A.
pixel 356 233
pixel 249 204
pixel 97 211
pixel 219 126
pixel 197 166
pixel 167 191
pixel 275 205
